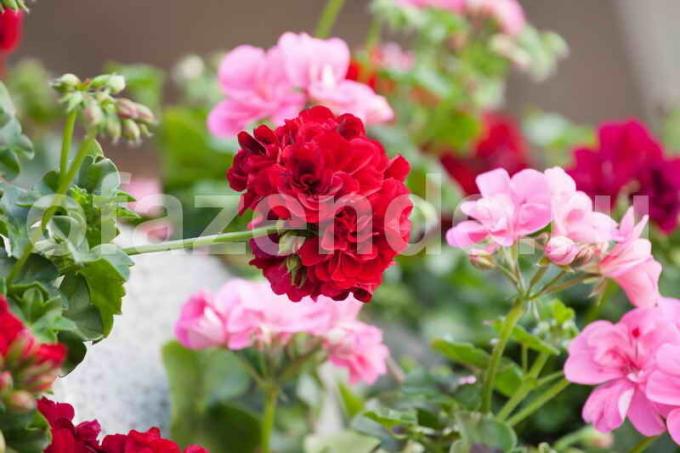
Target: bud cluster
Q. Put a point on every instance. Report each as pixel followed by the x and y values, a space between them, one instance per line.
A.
pixel 102 110
pixel 28 368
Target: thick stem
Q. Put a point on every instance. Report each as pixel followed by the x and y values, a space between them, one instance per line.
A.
pixel 328 18
pixel 643 445
pixel 268 417
pixel 67 141
pixel 204 241
pixel 539 402
pixel 509 324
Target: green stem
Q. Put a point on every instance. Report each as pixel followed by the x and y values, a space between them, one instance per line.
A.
pixel 509 324
pixel 268 417
pixel 527 386
pixel 67 141
pixel 547 286
pixel 205 241
pixel 328 18
pixel 643 444
pixel 539 402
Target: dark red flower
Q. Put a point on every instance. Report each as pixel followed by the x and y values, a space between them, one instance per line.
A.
pixel 624 150
pixel 630 161
pixel 500 146
pixel 322 171
pixel 11 23
pixel 67 438
pixel 147 442
pixel 10 326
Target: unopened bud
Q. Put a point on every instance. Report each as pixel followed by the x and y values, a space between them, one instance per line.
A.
pixel 594 439
pixel 290 243
pixel 112 82
pixel 113 127
pixel 145 115
pixel 73 101
pixel 66 83
pixel 585 256
pixel 127 108
pixel 131 131
pixel 93 114
pixel 482 261
pixel 21 401
pixel 561 250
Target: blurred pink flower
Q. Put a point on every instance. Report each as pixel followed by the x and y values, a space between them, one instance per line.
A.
pixel 276 84
pixel 631 265
pixel 452 5
pixel 245 314
pixel 509 209
pixel 663 386
pixel 147 193
pixel 619 358
pixel 257 89
pixel 359 348
pixel 507 13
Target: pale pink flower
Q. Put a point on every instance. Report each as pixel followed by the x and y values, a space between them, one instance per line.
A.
pixel 561 250
pixel 148 196
pixel 631 265
pixel 663 386
pixel 353 97
pixel 359 348
pixel 619 359
pixel 507 13
pixel 509 209
pixel 257 89
pixel 200 326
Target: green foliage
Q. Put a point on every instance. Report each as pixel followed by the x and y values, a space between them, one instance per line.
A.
pixel 202 385
pixel 14 145
pixel 477 430
pixel 341 442
pixel 23 433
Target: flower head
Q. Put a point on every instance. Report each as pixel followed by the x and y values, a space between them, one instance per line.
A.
pixel 509 209
pixel 322 171
pixel 11 24
pixel 67 437
pixel 245 314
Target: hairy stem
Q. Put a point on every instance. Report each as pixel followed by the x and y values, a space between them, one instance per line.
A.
pixel 539 402
pixel 204 241
pixel 328 18
pixel 509 324
pixel 66 143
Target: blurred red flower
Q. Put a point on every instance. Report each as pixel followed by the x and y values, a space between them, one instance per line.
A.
pixel 11 24
pixel 500 146
pixel 66 437
pixel 323 171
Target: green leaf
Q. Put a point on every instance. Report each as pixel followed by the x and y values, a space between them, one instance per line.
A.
pixel 352 403
pixel 14 145
pixel 390 418
pixel 342 442
pixel 201 385
pixel 531 341
pixel 478 429
pixel 24 433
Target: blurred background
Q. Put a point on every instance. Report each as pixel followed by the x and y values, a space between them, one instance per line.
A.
pixel 620 65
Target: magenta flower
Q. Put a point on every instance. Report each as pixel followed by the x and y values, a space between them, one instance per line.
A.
pixel 509 209
pixel 620 359
pixel 631 265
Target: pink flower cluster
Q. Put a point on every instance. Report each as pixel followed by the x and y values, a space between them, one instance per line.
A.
pixel 511 208
pixel 635 365
pixel 245 314
pixel 276 84
pixel 507 13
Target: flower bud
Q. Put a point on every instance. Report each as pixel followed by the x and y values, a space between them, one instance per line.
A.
pixel 561 250
pixel 131 131
pixel 112 82
pixel 145 115
pixel 594 439
pixel 584 256
pixel 290 243
pixel 482 261
pixel 93 114
pixel 66 83
pixel 127 108
pixel 21 401
pixel 6 382
pixel 113 127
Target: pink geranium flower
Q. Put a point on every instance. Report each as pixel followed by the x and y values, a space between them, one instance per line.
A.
pixel 245 314
pixel 620 359
pixel 631 265
pixel 509 209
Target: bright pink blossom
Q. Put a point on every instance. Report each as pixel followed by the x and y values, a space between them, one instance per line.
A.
pixel 619 359
pixel 245 314
pixel 631 265
pixel 509 209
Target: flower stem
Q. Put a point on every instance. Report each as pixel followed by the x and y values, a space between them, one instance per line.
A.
pixel 509 324
pixel 328 18
pixel 204 241
pixel 530 383
pixel 268 416
pixel 67 141
pixel 643 444
pixel 539 402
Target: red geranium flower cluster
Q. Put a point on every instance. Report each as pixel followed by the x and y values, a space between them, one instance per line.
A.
pixel 500 146
pixel 630 161
pixel 323 172
pixel 83 438
pixel 28 368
